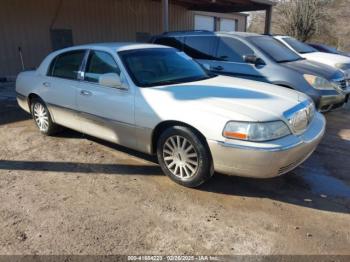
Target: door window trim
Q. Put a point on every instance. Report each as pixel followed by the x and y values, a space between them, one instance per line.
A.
pixel 237 39
pixel 52 65
pixel 84 66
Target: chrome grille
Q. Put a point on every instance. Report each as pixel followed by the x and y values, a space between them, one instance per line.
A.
pixel 300 116
pixel 343 84
pixel 288 168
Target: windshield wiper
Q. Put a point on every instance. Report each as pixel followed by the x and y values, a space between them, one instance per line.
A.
pixel 167 82
pixel 180 81
pixel 307 52
pixel 287 61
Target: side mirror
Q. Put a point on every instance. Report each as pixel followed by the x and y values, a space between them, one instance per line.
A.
pixel 110 80
pixel 253 59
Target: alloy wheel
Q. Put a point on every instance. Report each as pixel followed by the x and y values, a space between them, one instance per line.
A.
pixel 41 117
pixel 180 157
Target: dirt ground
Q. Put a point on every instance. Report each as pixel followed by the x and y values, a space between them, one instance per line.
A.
pixel 73 194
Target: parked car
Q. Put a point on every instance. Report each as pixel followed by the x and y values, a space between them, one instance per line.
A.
pixel 157 100
pixel 337 61
pixel 328 49
pixel 261 58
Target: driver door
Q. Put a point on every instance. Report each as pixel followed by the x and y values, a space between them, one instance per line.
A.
pixel 105 112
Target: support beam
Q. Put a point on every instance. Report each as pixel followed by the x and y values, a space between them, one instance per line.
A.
pixel 165 5
pixel 268 20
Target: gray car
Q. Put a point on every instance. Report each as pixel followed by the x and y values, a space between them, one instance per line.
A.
pixel 261 58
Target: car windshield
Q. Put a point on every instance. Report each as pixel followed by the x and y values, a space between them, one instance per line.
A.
pixel 161 66
pixel 330 49
pixel 298 46
pixel 274 49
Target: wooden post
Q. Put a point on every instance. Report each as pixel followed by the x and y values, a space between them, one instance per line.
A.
pixel 165 15
pixel 268 20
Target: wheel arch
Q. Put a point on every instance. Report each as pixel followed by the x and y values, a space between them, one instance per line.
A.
pixel 32 96
pixel 161 127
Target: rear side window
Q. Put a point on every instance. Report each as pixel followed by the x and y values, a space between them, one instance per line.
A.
pixel 67 65
pixel 100 63
pixel 232 50
pixel 169 41
pixel 201 47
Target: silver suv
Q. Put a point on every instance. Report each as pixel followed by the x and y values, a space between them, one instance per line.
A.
pixel 261 58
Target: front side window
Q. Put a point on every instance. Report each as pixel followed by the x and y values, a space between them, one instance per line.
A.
pixel 274 49
pixel 201 47
pixel 99 63
pixel 161 66
pixel 232 50
pixel 67 65
pixel 298 46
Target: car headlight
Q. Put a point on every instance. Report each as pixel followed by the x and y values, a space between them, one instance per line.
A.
pixel 343 66
pixel 319 82
pixel 339 65
pixel 254 131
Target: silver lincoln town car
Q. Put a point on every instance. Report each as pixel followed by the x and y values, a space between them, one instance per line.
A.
pixel 157 100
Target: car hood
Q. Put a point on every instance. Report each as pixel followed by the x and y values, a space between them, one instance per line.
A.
pixel 228 97
pixel 314 68
pixel 326 58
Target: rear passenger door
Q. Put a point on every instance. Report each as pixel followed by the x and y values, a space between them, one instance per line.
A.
pixel 106 112
pixel 59 88
pixel 230 60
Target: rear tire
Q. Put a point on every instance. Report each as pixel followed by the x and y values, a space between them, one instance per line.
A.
pixel 184 157
pixel 42 117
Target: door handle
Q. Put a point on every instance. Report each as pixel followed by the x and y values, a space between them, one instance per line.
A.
pixel 46 84
pixel 85 93
pixel 218 68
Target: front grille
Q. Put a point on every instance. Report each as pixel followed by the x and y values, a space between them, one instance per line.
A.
pixel 293 165
pixel 343 84
pixel 300 116
pixel 288 168
pixel 299 121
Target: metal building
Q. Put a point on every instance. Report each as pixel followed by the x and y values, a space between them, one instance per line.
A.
pixel 30 29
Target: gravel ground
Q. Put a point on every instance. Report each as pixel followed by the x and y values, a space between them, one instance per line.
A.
pixel 73 194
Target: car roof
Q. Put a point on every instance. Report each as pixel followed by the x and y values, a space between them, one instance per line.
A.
pixel 206 33
pixel 281 36
pixel 114 46
pixel 240 34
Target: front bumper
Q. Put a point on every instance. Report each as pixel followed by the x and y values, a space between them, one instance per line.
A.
pixel 268 159
pixel 329 102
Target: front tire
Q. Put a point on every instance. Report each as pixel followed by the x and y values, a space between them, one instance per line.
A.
pixel 184 157
pixel 42 117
